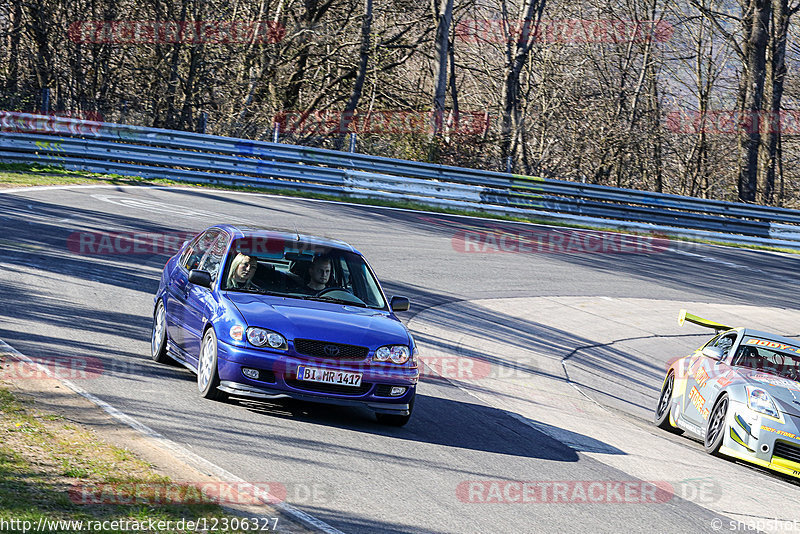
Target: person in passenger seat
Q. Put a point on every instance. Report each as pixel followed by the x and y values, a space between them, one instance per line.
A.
pixel 243 268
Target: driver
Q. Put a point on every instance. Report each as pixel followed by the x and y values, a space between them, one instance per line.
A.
pixel 319 272
pixel 749 358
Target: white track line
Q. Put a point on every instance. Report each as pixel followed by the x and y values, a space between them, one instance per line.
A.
pixel 181 452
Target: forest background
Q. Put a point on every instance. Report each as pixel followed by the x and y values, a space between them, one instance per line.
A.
pixel 694 97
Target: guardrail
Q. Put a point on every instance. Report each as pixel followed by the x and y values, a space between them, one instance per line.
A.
pixel 156 153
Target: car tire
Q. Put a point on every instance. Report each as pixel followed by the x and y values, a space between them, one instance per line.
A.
pixel 715 428
pixel 158 339
pixel 396 420
pixel 207 373
pixel 664 406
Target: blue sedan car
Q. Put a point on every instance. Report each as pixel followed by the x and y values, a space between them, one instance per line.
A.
pixel 265 314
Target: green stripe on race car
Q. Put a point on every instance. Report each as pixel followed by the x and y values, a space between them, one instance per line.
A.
pixel 735 437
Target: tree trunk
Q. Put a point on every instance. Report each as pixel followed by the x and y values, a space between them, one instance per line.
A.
pixel 314 11
pixel 753 85
pixel 355 96
pixel 776 74
pixel 518 47
pixel 13 59
pixel 444 18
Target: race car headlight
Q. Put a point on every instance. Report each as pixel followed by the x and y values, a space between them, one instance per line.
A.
pixel 261 337
pixel 759 401
pixel 398 354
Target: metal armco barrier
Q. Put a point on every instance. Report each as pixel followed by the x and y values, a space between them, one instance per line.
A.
pixel 77 144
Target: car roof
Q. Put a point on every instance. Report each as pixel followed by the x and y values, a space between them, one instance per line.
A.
pixel 237 232
pixel 772 337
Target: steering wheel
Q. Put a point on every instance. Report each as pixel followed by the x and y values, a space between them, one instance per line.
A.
pixel 332 288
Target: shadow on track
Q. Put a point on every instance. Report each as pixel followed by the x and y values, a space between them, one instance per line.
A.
pixel 436 420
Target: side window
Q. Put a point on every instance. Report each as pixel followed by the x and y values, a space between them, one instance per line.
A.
pixel 190 248
pixel 725 343
pixel 197 249
pixel 212 262
pixel 713 342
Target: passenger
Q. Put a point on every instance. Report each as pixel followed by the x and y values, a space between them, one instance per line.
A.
pixel 243 269
pixel 319 272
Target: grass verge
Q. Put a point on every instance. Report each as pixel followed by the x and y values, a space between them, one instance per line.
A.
pixel 44 459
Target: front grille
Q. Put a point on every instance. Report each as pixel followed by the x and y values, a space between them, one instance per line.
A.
pixel 333 351
pixel 330 388
pixel 787 451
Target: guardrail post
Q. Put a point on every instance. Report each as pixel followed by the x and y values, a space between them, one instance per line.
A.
pixel 276 132
pixel 509 164
pixel 352 142
pixel 201 124
pixel 45 100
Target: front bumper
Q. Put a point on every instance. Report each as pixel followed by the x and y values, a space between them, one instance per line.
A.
pixel 763 440
pixel 278 379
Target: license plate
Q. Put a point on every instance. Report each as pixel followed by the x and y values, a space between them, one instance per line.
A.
pixel 328 376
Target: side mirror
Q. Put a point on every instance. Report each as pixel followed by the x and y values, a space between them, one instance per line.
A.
pixel 200 278
pixel 399 304
pixel 715 353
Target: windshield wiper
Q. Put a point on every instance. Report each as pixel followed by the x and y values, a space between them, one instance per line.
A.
pixel 258 291
pixel 336 301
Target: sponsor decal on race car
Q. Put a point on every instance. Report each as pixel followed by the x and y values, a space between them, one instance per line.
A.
pixel 776 381
pixel 779 432
pixel 772 345
pixel 726 379
pixel 691 427
pixel 701 376
pixel 698 402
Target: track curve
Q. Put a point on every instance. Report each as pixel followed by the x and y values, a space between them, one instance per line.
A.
pixel 556 320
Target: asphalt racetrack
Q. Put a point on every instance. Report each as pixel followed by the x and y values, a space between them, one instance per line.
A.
pixel 566 336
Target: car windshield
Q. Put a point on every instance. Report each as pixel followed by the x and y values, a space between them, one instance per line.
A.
pixel 300 270
pixel 769 357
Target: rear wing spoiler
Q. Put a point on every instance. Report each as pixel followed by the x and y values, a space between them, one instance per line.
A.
pixel 686 316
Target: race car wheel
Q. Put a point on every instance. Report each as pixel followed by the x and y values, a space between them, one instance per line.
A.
pixel 664 403
pixel 158 341
pixel 715 429
pixel 207 375
pixel 396 420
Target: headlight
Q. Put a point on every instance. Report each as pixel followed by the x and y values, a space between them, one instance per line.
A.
pixel 266 338
pixel 398 354
pixel 759 401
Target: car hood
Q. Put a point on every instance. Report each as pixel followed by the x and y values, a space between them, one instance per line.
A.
pixel 324 321
pixel 784 391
